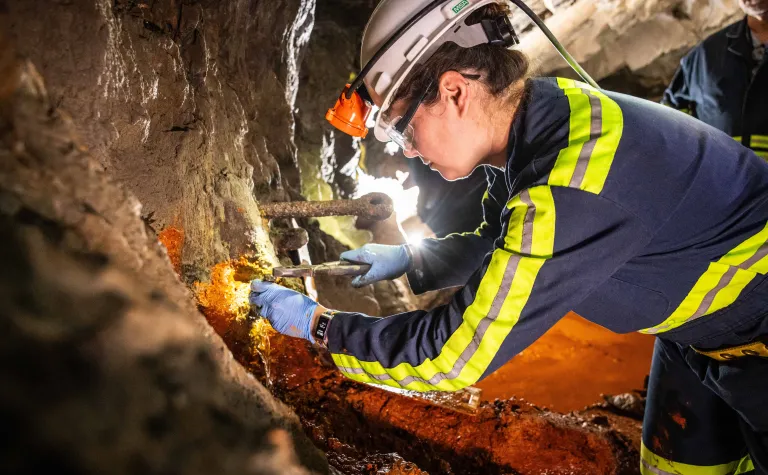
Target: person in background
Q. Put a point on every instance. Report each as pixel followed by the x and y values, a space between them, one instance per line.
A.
pixel 724 80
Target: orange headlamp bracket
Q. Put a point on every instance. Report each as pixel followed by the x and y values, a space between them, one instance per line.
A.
pixel 349 115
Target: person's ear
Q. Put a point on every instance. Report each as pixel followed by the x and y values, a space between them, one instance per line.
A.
pixel 454 92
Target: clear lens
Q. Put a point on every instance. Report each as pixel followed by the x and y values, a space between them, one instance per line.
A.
pixel 403 140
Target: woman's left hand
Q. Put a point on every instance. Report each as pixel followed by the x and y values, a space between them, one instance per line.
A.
pixel 289 312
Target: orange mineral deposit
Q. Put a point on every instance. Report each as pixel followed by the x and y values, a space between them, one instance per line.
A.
pixel 173 240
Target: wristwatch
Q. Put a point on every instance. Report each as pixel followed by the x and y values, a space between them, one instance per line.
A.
pixel 321 329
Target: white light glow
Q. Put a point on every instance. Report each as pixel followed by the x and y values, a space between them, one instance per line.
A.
pixel 403 200
pixel 415 238
pixel 391 148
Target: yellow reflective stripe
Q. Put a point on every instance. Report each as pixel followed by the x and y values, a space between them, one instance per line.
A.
pixel 760 141
pixel 652 464
pixel 722 282
pixel 762 154
pixel 606 146
pixel 595 129
pixel 578 135
pixel 503 292
pixel 484 223
pixel 543 241
pixel 750 254
pixel 755 141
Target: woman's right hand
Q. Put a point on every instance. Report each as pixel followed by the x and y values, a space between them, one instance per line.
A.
pixel 387 262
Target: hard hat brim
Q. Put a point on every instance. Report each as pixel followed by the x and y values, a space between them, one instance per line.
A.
pixel 398 62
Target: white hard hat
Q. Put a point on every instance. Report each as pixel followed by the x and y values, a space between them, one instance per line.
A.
pixel 432 23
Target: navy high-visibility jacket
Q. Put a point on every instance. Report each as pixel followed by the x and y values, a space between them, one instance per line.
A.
pixel 635 215
pixel 715 83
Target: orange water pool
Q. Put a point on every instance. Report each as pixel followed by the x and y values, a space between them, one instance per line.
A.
pixel 571 365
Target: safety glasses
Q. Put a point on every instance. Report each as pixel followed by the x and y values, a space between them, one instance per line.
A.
pixel 400 129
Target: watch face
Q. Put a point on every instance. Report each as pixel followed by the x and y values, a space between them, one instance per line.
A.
pixel 322 326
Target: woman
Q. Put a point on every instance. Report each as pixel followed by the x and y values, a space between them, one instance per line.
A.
pixel 637 217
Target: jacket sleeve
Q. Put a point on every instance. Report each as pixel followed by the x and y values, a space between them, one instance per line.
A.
pixel 450 261
pixel 560 240
pixel 559 244
pixel 678 94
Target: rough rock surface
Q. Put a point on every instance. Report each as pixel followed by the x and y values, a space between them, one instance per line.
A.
pixel 360 426
pixel 633 45
pixel 188 102
pixel 331 56
pixel 107 366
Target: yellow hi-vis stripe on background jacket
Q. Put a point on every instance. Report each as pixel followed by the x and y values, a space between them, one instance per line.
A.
pixel 721 83
pixel 636 216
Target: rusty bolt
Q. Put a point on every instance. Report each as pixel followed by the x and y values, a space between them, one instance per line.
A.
pixel 289 239
pixel 374 206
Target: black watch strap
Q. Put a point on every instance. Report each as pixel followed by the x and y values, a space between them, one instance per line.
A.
pixel 321 330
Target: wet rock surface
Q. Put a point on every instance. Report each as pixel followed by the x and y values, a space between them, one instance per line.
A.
pixel 189 103
pixel 360 426
pixel 107 366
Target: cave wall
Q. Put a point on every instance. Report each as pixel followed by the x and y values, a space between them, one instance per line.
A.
pixel 631 46
pixel 188 102
pixel 155 115
pixel 107 366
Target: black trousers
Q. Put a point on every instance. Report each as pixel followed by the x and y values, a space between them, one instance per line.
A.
pixel 705 417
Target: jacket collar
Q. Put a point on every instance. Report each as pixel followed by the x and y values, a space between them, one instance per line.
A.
pixel 739 39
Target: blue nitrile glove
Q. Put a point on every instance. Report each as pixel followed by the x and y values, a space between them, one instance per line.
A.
pixel 387 262
pixel 289 312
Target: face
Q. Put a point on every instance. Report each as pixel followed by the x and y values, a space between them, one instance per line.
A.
pixel 755 8
pixel 449 135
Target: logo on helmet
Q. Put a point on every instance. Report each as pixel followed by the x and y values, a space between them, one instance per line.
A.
pixel 460 6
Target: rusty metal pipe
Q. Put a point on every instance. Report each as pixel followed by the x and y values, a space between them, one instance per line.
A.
pixel 374 206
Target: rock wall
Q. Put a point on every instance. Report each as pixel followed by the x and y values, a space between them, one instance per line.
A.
pixel 188 102
pixel 107 366
pixel 634 46
pixel 189 105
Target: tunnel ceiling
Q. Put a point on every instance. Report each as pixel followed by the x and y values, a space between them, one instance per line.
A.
pixel 634 46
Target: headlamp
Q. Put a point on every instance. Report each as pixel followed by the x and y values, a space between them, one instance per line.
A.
pixel 350 113
pixel 418 33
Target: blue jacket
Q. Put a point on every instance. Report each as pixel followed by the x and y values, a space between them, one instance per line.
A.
pixel 636 216
pixel 715 83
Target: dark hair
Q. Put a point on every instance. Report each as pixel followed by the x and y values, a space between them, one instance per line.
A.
pixel 497 68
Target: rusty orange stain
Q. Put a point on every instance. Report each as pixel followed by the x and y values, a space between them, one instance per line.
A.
pixel 224 298
pixel 172 238
pixel 679 419
pixel 224 302
pixel 656 444
pixel 557 371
